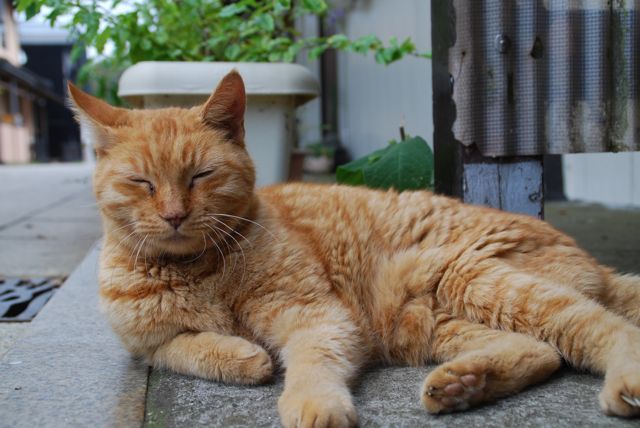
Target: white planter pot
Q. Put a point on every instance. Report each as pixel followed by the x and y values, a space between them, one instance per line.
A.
pixel 274 91
pixel 317 164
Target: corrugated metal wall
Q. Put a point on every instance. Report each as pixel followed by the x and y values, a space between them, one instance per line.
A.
pixel 373 99
pixel 546 76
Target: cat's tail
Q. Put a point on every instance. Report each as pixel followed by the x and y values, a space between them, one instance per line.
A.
pixel 622 296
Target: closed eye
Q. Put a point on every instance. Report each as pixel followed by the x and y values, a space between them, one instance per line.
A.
pixel 149 184
pixel 200 175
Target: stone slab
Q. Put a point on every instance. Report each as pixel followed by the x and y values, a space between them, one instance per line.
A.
pixel 68 369
pixel 385 397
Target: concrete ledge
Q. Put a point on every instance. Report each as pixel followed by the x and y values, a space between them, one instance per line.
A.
pixel 386 397
pixel 69 370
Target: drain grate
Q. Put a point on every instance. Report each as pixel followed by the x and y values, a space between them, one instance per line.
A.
pixel 21 299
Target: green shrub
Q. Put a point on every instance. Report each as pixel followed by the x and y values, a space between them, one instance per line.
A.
pixel 197 30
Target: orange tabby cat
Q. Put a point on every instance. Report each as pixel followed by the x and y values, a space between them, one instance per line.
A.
pixel 204 275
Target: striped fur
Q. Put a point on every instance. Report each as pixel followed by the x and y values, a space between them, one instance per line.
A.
pixel 328 279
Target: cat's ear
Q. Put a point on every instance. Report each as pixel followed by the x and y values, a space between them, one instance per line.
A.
pixel 224 110
pixel 96 117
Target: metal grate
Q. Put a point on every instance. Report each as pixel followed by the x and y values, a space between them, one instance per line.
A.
pixel 21 299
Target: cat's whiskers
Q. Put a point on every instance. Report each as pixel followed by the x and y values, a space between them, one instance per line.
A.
pixel 138 253
pixel 150 243
pixel 247 220
pixel 231 229
pixel 114 249
pixel 224 265
pixel 122 227
pixel 244 259
pixel 215 230
pixel 220 236
pixel 204 250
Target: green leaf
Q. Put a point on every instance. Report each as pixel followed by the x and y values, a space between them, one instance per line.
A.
pixel 364 44
pixel 317 7
pixel 265 23
pixel 338 41
pixel 145 44
pixel 275 57
pixel 353 172
pixel 407 165
pixel 232 10
pixel 215 41
pixel 32 10
pixel 102 38
pixel 281 6
pixel 232 52
pixel 53 15
pixel 76 52
pixel 162 36
pixel 317 51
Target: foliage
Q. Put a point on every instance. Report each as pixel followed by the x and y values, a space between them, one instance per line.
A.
pixel 407 165
pixel 130 31
pixel 320 150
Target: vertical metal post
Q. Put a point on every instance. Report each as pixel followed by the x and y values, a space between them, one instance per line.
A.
pixel 513 183
pixel 447 151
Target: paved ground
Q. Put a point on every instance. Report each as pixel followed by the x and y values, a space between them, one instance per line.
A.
pixel 67 369
pixel 48 222
pixel 611 235
pixel 48 218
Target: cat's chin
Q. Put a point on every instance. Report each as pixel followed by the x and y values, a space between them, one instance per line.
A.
pixel 179 245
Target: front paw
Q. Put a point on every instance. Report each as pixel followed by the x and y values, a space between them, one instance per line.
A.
pixel 236 360
pixel 455 386
pixel 251 365
pixel 317 407
pixel 621 393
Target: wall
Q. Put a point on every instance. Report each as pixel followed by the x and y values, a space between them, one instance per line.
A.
pixel 309 118
pixel 10 48
pixel 375 99
pixel 607 178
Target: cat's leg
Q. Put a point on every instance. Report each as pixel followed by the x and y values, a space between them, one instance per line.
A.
pixel 622 296
pixel 214 356
pixel 321 351
pixel 482 364
pixel 586 333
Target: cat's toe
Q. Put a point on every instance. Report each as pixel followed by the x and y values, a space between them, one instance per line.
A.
pixel 257 368
pixel 447 391
pixel 621 395
pixel 633 402
pixel 317 407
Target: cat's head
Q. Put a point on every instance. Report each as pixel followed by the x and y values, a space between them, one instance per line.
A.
pixel 168 178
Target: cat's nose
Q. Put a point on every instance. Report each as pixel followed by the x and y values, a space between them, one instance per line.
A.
pixel 175 220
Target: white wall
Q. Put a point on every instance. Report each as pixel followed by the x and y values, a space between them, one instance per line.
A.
pixel 309 115
pixel 607 178
pixel 375 99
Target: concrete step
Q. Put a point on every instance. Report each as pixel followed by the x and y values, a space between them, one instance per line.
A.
pixel 68 369
pixel 384 397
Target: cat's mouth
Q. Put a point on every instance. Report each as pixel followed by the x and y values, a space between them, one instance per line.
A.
pixel 177 237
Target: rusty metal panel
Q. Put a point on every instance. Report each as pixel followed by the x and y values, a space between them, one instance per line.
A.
pixel 534 77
